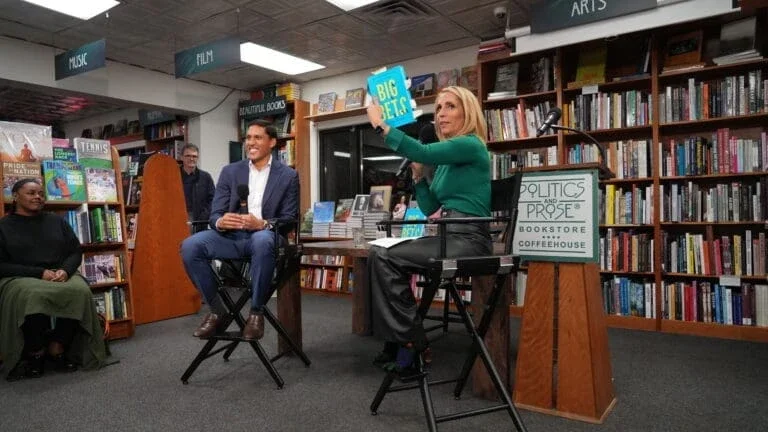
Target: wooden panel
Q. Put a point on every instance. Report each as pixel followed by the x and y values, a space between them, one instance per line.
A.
pixel 289 312
pixel 533 371
pixel 162 289
pixel 575 369
pixel 362 320
pixel 301 134
pixel 497 337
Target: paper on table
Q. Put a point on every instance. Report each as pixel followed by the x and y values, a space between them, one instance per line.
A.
pixel 388 242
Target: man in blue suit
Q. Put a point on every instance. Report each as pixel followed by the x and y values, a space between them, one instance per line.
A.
pixel 242 232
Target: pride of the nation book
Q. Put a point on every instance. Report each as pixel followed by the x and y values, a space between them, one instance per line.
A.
pixel 390 88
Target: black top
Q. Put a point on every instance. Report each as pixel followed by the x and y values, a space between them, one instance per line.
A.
pixel 189 180
pixel 198 193
pixel 31 244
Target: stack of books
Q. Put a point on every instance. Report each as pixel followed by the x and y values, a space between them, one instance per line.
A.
pixel 291 91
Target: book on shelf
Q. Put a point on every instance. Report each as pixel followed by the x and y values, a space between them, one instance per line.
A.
pixel 505 84
pixel 591 66
pixel 15 171
pixel 322 216
pixel 684 51
pixel 542 75
pixel 354 98
pixel 422 85
pixel 60 143
pixel 468 78
pixel 22 142
pixel 447 78
pixel 93 153
pixel 64 181
pixel 101 185
pixel 326 103
pixel 65 154
pixel 738 42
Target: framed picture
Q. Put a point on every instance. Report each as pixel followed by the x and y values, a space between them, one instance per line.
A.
pixel 326 102
pixel 380 199
pixel 354 98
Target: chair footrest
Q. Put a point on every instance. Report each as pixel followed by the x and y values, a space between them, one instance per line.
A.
pixel 235 336
pixel 470 413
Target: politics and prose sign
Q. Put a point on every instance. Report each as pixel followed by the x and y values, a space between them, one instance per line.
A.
pixel 557 14
pixel 80 60
pixel 557 217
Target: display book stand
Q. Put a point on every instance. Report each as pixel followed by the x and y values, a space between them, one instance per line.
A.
pixel 563 362
pixel 162 289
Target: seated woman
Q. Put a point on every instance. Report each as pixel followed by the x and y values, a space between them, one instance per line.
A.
pixel 39 257
pixel 461 186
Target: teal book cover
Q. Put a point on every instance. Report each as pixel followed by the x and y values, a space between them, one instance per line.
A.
pixel 390 88
pixel 64 181
pixel 413 230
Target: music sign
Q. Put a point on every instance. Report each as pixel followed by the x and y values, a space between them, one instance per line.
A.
pixel 557 217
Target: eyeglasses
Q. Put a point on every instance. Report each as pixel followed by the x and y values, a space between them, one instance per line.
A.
pixel 191 156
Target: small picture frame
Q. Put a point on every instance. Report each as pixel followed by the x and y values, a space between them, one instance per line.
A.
pixel 683 50
pixel 326 102
pixel 354 98
pixel 380 199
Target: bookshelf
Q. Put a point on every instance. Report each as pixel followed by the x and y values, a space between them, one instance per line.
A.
pixel 664 220
pixel 117 287
pixel 162 289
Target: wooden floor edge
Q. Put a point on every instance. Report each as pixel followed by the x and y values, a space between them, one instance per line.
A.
pixel 570 416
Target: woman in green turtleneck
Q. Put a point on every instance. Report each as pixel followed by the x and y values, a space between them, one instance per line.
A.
pixel 461 186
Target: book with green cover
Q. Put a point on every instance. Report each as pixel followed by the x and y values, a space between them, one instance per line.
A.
pixel 64 181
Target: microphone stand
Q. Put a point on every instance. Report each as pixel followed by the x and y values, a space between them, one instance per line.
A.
pixel 605 172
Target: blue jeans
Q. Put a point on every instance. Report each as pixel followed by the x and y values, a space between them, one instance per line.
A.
pixel 198 250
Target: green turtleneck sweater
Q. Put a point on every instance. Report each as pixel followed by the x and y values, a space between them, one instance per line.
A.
pixel 462 179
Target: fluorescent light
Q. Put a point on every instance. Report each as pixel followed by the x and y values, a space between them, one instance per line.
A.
pixel 342 154
pixel 275 60
pixel 383 158
pixel 348 5
pixel 83 9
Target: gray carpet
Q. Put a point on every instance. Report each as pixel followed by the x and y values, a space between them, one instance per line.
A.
pixel 662 382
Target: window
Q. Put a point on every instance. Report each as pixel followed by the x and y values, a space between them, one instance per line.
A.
pixel 352 159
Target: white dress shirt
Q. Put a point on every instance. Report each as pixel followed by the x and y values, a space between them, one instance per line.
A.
pixel 257 183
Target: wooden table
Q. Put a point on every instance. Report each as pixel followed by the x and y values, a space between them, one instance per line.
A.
pixel 497 338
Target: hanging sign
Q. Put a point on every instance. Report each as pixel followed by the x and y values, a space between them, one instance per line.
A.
pixel 206 57
pixel 558 14
pixel 80 60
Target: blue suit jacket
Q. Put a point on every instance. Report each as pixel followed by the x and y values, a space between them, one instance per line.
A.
pixel 281 196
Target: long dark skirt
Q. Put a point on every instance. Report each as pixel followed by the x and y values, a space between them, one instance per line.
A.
pixel 390 270
pixel 22 296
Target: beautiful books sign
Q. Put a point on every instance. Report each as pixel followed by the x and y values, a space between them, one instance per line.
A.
pixel 557 217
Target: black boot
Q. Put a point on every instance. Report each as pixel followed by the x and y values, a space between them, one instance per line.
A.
pixel 35 365
pixel 61 363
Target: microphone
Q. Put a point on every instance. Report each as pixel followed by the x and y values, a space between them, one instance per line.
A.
pixel 552 117
pixel 427 135
pixel 242 193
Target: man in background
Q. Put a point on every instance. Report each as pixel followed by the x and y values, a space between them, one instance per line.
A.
pixel 198 188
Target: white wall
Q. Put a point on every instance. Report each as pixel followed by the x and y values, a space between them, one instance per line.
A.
pixel 75 128
pixel 34 64
pixel 341 83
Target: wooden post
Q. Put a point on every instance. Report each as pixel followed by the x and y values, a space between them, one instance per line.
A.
pixel 563 364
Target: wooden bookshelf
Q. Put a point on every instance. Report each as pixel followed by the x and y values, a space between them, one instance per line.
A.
pixel 424 100
pixel 651 91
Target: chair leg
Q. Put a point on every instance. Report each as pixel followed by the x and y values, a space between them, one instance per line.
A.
pixel 383 389
pixel 202 355
pixel 284 334
pixel 446 310
pixel 267 363
pixel 426 396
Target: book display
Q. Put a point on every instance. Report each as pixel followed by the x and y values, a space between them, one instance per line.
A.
pixel 98 223
pixel 682 224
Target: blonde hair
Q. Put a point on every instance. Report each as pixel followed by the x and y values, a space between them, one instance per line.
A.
pixel 474 120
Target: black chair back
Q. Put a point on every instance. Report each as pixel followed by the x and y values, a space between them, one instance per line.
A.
pixel 505 194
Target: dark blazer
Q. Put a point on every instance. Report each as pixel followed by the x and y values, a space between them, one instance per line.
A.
pixel 202 195
pixel 281 196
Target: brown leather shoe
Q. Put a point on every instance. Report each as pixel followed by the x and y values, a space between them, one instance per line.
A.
pixel 208 327
pixel 254 327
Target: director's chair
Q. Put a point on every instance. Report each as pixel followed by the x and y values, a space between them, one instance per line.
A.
pixel 235 275
pixel 442 273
